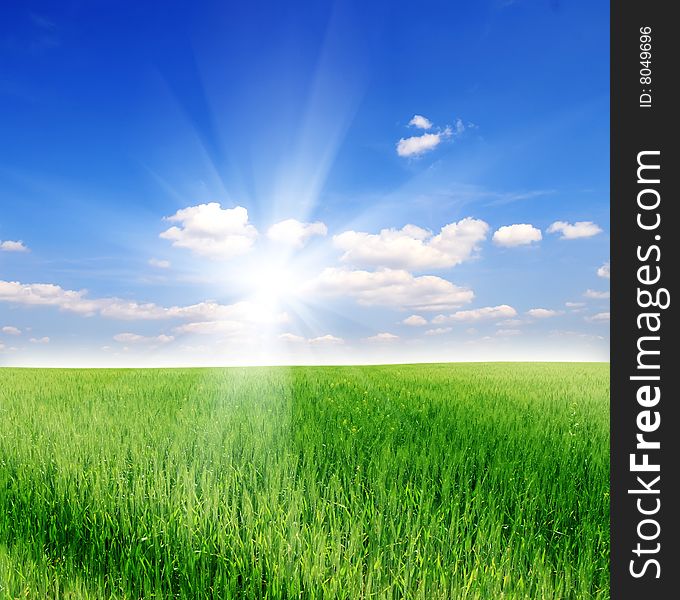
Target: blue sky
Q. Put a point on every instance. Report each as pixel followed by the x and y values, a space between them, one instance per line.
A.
pixel 303 182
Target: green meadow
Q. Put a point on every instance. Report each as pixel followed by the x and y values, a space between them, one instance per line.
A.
pixel 442 481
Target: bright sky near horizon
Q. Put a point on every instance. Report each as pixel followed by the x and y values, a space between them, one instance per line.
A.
pixel 305 182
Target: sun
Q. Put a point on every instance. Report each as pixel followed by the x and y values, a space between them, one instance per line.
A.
pixel 274 284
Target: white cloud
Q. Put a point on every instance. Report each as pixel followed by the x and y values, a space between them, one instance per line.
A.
pixel 520 234
pixel 133 338
pixel 438 331
pixel 558 333
pixel 415 321
pixel 211 327
pixel 487 313
pixel 604 271
pixel 13 246
pixel 209 318
pixel 388 287
pixel 574 304
pixel 510 323
pixel 419 144
pixel 42 340
pixel 413 247
pixel 543 313
pixel 327 339
pixel 382 337
pixel 602 317
pixel 211 231
pixel 508 332
pixel 291 337
pixel 295 233
pixel 580 229
pixel 596 295
pixel 420 122
pixel 10 330
pixel 47 294
pixel 460 127
pixel 123 310
pixel 203 311
pixel 159 264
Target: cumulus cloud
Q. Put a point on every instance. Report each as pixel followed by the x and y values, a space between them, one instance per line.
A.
pixel 543 313
pixel 291 337
pixel 420 122
pixel 487 313
pixel 13 246
pixel 389 287
pixel 208 318
pixel 202 311
pixel 602 317
pixel 295 233
pixel 559 333
pixel 47 294
pixel 574 304
pixel 228 327
pixel 438 331
pixel 604 271
pixel 510 323
pixel 10 330
pixel 412 247
pixel 508 332
pixel 323 340
pixel 415 321
pixel 327 340
pixel 572 231
pixel 159 264
pixel 42 340
pixel 382 337
pixel 133 338
pixel 419 144
pixel 211 231
pixel 520 234
pixel 596 295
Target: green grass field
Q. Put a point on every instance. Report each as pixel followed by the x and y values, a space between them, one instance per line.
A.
pixel 443 481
